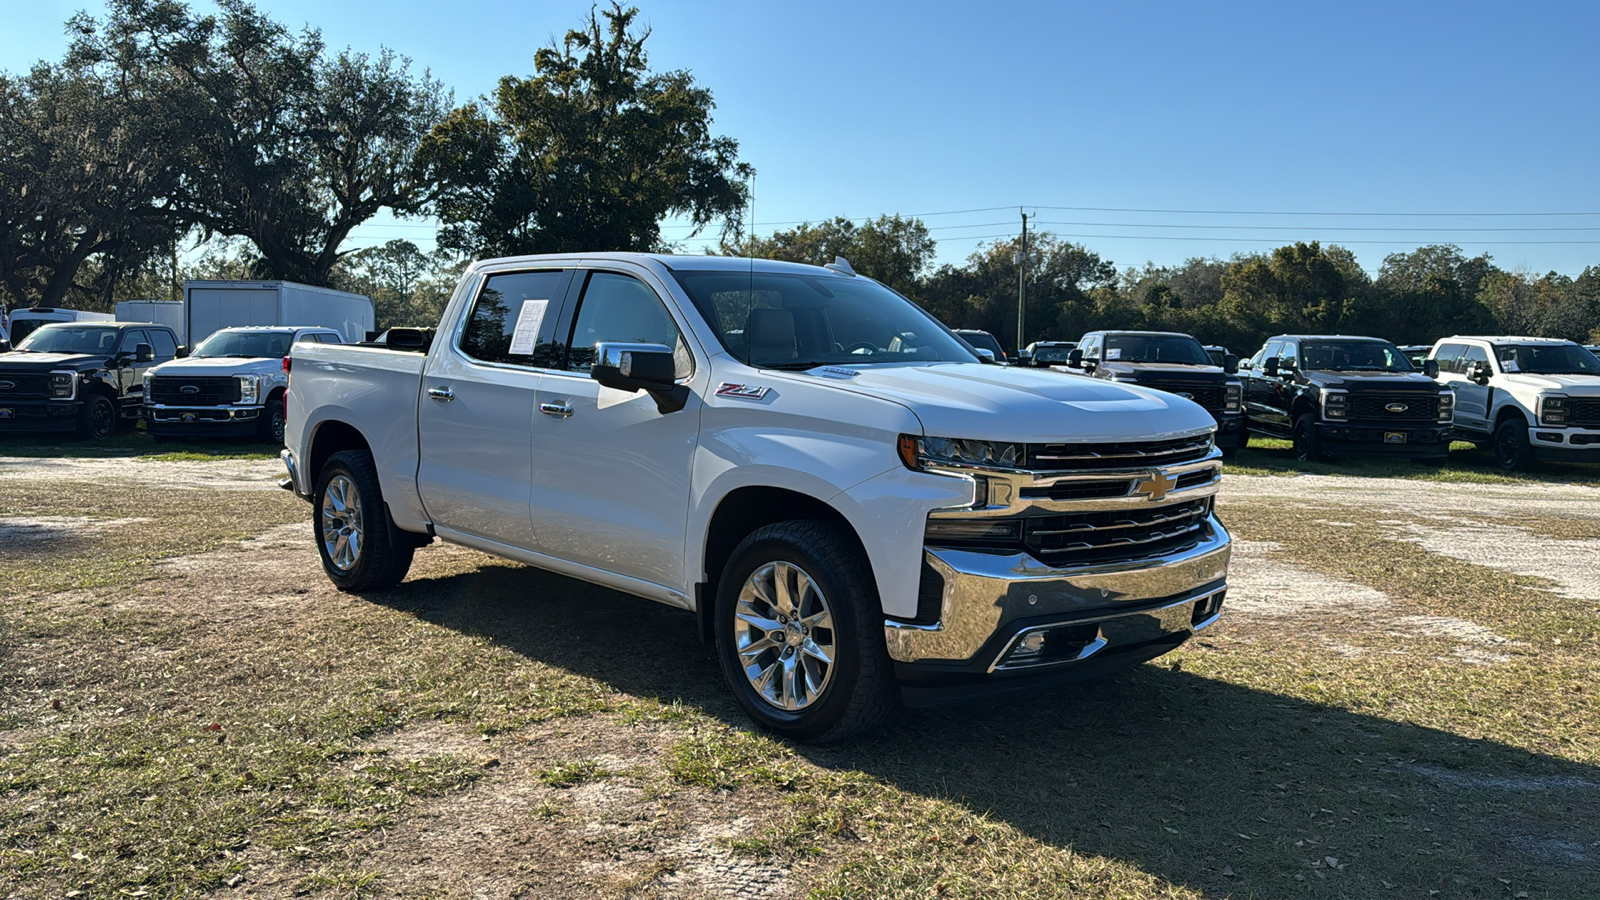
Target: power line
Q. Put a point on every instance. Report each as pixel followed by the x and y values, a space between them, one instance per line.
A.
pixel 1254 212
pixel 1314 227
pixel 1182 237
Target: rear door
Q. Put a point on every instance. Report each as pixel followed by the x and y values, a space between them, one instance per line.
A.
pixel 611 471
pixel 475 413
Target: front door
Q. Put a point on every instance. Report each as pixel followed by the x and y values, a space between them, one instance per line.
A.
pixel 475 415
pixel 611 471
pixel 1472 399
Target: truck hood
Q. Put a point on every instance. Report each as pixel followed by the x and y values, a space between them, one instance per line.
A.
pixel 971 400
pixel 1372 381
pixel 1577 385
pixel 44 362
pixel 219 365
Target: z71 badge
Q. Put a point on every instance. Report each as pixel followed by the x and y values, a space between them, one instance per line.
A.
pixel 742 391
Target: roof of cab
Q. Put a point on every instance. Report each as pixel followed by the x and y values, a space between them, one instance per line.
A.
pixel 671 261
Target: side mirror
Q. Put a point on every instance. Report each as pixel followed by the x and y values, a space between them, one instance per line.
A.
pixel 5 346
pixel 1230 364
pixel 1478 373
pixel 1270 366
pixel 413 339
pixel 1430 368
pixel 640 367
pixel 183 351
pixel 985 355
pixel 1075 358
pixel 143 353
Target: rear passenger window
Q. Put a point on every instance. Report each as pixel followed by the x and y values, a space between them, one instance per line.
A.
pixel 1448 356
pixel 513 319
pixel 620 309
pixel 165 346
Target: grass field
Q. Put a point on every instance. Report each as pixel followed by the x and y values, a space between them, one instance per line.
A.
pixel 187 708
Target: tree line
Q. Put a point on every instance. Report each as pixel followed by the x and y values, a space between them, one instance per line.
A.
pixel 168 144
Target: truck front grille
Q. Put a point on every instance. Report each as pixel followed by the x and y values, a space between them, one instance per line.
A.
pixel 1585 412
pixel 208 391
pixel 24 385
pixel 1417 407
pixel 1130 454
pixel 1209 396
pixel 1088 538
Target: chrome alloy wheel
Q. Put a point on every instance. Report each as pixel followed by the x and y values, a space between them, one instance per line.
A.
pixel 783 631
pixel 341 522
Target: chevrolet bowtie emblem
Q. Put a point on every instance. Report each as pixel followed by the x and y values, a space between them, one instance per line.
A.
pixel 1156 486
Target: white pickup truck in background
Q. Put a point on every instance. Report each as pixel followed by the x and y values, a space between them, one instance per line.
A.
pixel 857 509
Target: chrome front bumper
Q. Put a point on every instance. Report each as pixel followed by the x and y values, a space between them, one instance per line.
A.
pixel 991 601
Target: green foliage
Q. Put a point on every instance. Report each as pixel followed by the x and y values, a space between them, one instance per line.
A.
pixel 407 286
pixel 891 249
pixel 590 153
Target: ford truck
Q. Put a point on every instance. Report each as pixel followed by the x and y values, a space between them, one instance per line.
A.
pixel 857 509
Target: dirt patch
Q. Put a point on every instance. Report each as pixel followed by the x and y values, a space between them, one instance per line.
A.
pixel 1421 498
pixel 225 475
pixel 1568 563
pixel 25 531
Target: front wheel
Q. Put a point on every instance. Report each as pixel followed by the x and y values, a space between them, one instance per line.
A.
pixel 1307 444
pixel 269 427
pixel 352 528
pixel 1511 449
pixel 800 635
pixel 97 418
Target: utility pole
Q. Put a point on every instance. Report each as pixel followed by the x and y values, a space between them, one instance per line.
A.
pixel 1022 283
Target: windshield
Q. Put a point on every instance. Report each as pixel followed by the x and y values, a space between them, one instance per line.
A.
pixel 247 344
pixel 70 339
pixel 1547 359
pixel 1051 355
pixel 795 321
pixel 1353 356
pixel 1173 349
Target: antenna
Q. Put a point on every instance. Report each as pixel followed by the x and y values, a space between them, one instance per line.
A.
pixel 840 265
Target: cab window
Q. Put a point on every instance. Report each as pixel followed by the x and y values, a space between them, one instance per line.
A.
pixel 1448 356
pixel 1270 351
pixel 621 309
pixel 1290 355
pixel 165 346
pixel 131 340
pixel 513 319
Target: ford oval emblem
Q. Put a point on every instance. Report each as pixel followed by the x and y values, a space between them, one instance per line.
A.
pixel 1185 396
pixel 188 389
pixel 1397 407
pixel 7 385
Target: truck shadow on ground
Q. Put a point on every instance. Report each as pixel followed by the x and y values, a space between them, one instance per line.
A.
pixel 1225 789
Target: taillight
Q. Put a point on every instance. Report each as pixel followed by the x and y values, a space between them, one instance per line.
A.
pixel 286 361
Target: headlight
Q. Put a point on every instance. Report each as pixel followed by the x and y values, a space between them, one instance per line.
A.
pixel 148 377
pixel 1447 407
pixel 1232 396
pixel 1553 409
pixel 63 385
pixel 919 452
pixel 249 389
pixel 1335 405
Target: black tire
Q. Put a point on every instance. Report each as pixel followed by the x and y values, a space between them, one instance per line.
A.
pixel 1307 445
pixel 373 562
pixel 1511 450
pixel 858 691
pixel 270 426
pixel 97 418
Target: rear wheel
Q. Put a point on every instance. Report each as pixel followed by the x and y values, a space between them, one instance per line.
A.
pixel 1307 445
pixel 800 635
pixel 1511 449
pixel 97 418
pixel 352 527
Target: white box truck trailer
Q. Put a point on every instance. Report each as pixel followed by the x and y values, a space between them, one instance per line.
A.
pixel 211 305
pixel 24 321
pixel 160 312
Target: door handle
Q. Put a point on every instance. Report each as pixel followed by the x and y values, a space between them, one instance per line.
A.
pixel 559 410
pixel 441 393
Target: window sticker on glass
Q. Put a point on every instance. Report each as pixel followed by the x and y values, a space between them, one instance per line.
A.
pixel 1509 365
pixel 528 321
pixel 1114 353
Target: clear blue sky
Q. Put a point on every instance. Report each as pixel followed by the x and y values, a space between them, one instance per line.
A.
pixel 1304 109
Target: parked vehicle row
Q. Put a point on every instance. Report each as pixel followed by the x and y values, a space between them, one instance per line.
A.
pixel 84 377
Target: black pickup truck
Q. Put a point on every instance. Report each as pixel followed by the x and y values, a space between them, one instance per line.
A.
pixel 1335 395
pixel 1172 362
pixel 81 376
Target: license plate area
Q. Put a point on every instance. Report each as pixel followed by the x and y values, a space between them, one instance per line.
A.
pixel 1394 437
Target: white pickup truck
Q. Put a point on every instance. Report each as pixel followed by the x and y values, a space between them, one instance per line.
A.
pixel 1532 399
pixel 859 510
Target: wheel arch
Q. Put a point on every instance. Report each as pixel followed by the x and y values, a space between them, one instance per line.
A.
pixel 329 438
pixel 1509 411
pixel 742 511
